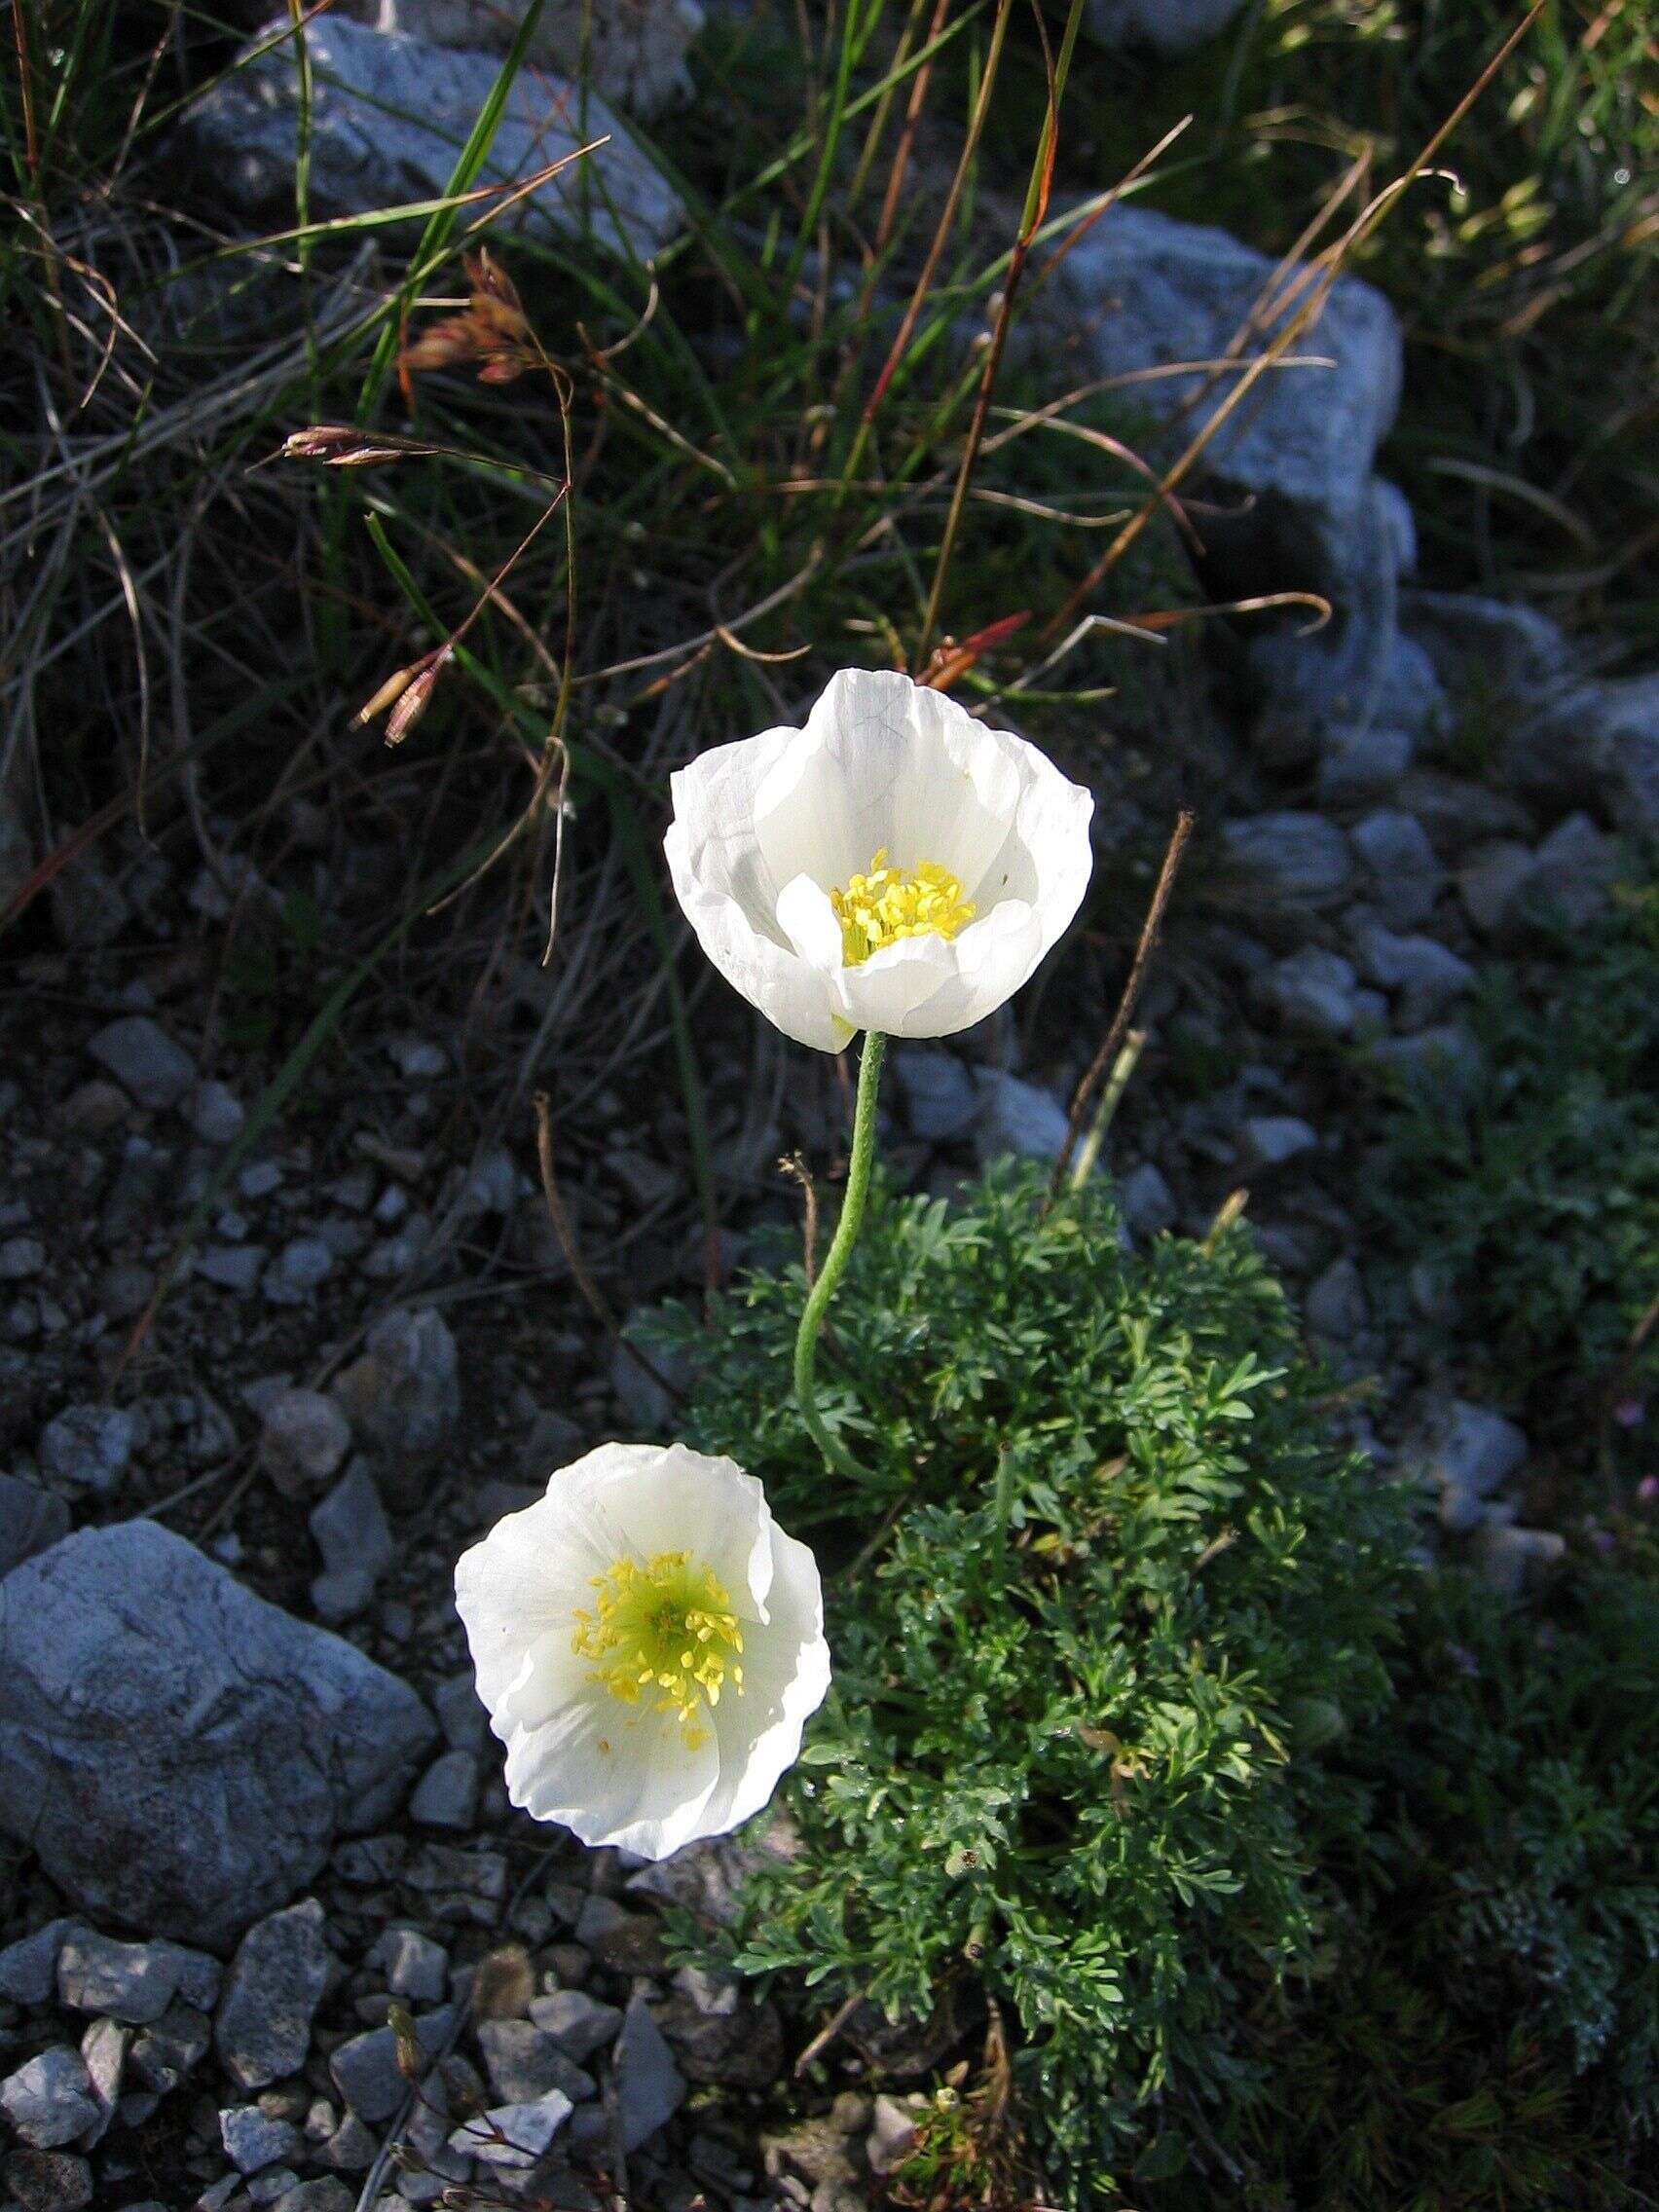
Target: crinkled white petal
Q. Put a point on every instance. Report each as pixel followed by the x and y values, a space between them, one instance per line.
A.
pixel 622 1773
pixel 784 1684
pixel 671 1499
pixel 765 829
pixel 613 1773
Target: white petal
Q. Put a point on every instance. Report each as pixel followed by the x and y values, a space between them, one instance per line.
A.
pixel 886 764
pixel 730 897
pixel 616 1774
pixel 934 987
pixel 808 920
pixel 521 1582
pixel 785 1674
pixel 666 1498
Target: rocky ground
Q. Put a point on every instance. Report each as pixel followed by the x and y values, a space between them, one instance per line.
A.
pixel 262 1380
pixel 239 1693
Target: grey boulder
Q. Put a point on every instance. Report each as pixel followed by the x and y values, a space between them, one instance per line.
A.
pixel 1293 457
pixel 634 51
pixel 179 1754
pixel 388 118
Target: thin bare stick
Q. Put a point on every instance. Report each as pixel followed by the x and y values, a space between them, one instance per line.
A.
pixel 1123 1068
pixel 1112 1042
pixel 794 1166
pixel 830 2029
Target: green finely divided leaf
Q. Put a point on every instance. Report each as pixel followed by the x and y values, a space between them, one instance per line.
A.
pixel 1145 1726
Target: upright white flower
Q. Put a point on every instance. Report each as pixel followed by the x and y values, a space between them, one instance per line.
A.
pixel 649 1645
pixel 895 866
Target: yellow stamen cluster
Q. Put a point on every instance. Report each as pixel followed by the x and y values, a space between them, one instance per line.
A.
pixel 665 1631
pixel 886 903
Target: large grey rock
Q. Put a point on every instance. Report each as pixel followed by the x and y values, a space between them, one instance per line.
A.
pixel 103 2052
pixel 446 1796
pixel 253 2140
pixel 52 2181
pixel 1470 1447
pixel 1362 760
pixel 276 1982
pixel 1573 872
pixel 30 1519
pixel 634 50
pixel 1294 459
pixel 179 1754
pixel 164 2053
pixel 578 2023
pixel 1146 1201
pixel 413 1964
pixel 1167 26
pixel 1456 811
pixel 1510 1559
pixel 1490 881
pixel 388 118
pixel 524 2062
pixel 1270 1140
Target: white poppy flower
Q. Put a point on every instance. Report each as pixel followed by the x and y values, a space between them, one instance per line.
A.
pixel 895 866
pixel 649 1645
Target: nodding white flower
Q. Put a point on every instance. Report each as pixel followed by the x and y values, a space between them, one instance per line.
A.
pixel 649 1645
pixel 894 865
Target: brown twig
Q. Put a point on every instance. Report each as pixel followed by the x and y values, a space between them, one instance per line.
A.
pixel 1114 1037
pixel 794 1166
pixel 826 2033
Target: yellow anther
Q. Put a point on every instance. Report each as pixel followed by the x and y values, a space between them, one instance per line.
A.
pixel 886 903
pixel 666 1626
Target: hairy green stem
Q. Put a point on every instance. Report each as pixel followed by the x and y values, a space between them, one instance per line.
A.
pixel 835 1259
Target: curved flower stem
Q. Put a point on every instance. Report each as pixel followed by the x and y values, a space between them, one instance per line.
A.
pixel 836 1259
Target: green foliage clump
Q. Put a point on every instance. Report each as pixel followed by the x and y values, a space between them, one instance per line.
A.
pixel 1110 1593
pixel 1536 1202
pixel 1484 2023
